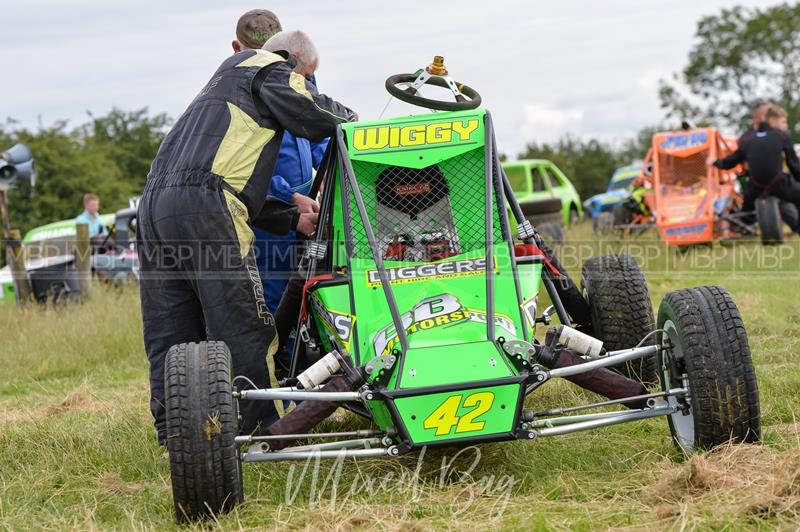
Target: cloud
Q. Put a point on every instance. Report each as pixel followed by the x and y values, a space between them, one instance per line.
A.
pixel 590 67
pixel 648 79
pixel 542 123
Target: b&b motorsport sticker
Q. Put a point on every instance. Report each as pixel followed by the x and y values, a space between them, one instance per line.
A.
pixel 428 272
pixel 337 323
pixel 432 312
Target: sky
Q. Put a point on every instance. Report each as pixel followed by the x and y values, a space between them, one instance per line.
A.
pixel 589 68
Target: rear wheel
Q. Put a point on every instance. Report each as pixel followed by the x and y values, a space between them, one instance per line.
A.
pixel 768 211
pixel 622 314
pixel 574 217
pixel 622 213
pixel 553 233
pixel 603 223
pixel 705 350
pixel 202 423
pixel 790 215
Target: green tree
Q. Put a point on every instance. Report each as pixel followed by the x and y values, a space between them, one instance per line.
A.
pixel 131 138
pixel 109 156
pixel 740 55
pixel 65 171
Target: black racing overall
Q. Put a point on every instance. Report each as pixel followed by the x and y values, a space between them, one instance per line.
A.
pixel 206 185
pixel 765 151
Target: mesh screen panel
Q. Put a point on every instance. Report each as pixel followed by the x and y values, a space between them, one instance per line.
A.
pixel 682 171
pixel 682 183
pixel 422 215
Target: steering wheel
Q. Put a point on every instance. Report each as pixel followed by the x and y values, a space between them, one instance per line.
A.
pixel 435 74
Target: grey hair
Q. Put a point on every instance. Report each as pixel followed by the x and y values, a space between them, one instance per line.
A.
pixel 296 43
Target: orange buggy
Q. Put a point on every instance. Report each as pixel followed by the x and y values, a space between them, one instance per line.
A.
pixel 695 203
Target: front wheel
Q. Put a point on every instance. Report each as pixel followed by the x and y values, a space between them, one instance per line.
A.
pixel 705 351
pixel 202 423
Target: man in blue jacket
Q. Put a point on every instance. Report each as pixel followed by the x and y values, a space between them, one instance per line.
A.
pixel 291 181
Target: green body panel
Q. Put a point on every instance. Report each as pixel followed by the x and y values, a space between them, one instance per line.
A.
pixel 331 308
pixel 437 311
pixel 381 414
pixel 463 362
pixel 61 229
pixel 416 141
pixel 530 280
pixel 530 276
pixel 530 182
pixel 441 299
pixel 498 418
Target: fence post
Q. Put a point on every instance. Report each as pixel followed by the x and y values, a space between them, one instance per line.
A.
pixel 16 261
pixel 83 259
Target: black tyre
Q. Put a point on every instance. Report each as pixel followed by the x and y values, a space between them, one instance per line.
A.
pixel 551 232
pixel 622 314
pixel 768 211
pixel 202 423
pixel 705 349
pixel 789 214
pixel 603 223
pixel 622 213
pixel 574 217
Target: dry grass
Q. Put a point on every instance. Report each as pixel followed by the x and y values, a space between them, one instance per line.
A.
pixel 75 400
pixel 78 449
pixel 738 481
pixel 113 483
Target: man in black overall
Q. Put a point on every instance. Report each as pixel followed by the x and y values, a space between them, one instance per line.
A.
pixel 205 189
pixel 764 151
pixel 759 114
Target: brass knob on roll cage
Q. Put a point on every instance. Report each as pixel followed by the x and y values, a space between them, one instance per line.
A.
pixel 437 68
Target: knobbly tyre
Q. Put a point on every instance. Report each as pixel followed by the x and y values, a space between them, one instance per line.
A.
pixel 426 306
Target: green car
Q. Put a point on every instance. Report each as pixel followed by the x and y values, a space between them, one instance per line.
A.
pixel 538 179
pixel 50 241
pixel 421 306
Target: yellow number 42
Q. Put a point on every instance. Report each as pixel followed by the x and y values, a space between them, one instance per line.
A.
pixel 445 417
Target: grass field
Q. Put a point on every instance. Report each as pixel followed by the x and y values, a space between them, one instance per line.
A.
pixel 78 451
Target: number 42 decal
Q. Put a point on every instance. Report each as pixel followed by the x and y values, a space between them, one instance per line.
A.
pixel 445 417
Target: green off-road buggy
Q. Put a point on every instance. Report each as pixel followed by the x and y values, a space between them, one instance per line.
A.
pixel 421 289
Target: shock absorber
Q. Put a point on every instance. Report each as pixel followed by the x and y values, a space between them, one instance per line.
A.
pixel 310 413
pixel 320 371
pixel 575 340
pixel 559 351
